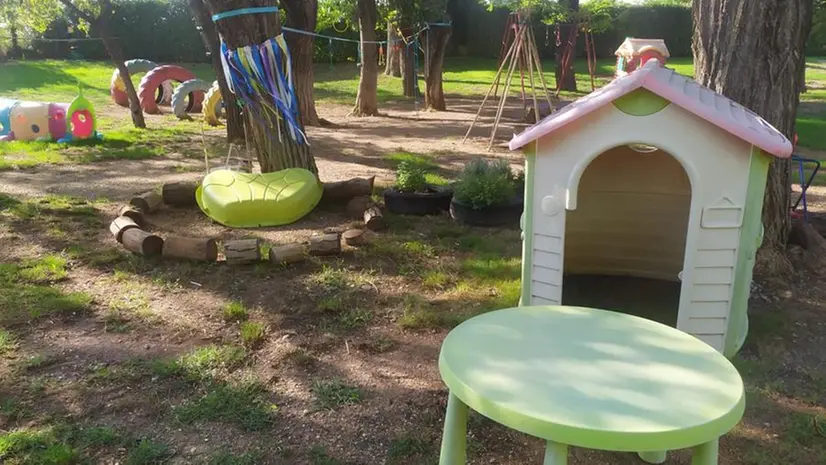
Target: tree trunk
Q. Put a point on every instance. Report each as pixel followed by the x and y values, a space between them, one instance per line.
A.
pixel 736 56
pixel 434 96
pixel 568 78
pixel 272 143
pixel 115 51
pixel 393 67
pixel 15 51
pixel 302 14
pixel 367 98
pixel 408 70
pixel 235 122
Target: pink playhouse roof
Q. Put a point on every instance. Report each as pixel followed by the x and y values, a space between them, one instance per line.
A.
pixel 680 90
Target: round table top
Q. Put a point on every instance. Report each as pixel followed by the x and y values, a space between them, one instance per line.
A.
pixel 592 378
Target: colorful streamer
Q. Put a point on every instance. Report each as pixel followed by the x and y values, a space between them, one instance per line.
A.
pixel 261 77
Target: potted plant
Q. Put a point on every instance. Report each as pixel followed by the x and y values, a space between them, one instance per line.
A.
pixel 412 195
pixel 488 193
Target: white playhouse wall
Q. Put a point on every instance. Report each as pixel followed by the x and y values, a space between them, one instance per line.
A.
pixel 717 165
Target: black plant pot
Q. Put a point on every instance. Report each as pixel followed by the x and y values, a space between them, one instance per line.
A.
pixel 496 215
pixel 432 202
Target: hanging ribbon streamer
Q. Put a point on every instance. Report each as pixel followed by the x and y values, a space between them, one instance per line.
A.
pixel 261 76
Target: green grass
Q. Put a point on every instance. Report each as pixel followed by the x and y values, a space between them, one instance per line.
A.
pixel 203 363
pixel 244 404
pixel 406 447
pixel 8 342
pixel 148 453
pixel 235 311
pixel 319 456
pixel 26 295
pixel 227 458
pixel 252 333
pixel 335 393
pixel 416 160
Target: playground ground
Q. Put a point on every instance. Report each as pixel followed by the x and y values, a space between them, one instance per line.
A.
pixel 111 358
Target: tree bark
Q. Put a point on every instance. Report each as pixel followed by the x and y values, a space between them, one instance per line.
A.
pixel 235 121
pixel 752 51
pixel 393 67
pixel 568 77
pixel 434 96
pixel 367 98
pixel 302 14
pixel 272 143
pixel 115 51
pixel 408 69
pixel 15 51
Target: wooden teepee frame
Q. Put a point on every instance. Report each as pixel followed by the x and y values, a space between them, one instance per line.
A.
pixel 524 54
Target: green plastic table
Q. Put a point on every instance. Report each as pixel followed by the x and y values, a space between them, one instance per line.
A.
pixel 588 378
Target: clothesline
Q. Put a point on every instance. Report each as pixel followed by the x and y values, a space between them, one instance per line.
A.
pixel 354 41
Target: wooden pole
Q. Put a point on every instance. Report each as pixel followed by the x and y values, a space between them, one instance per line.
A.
pixel 192 248
pixel 495 83
pixel 141 242
pixel 529 59
pixel 538 61
pixel 514 59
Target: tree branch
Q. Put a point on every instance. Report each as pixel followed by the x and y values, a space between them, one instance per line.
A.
pixel 77 11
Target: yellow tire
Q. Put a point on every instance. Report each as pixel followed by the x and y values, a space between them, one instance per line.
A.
pixel 213 104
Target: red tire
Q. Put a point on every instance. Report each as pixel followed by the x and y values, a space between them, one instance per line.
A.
pixel 153 79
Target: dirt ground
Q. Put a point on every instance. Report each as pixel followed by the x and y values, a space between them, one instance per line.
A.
pixel 399 418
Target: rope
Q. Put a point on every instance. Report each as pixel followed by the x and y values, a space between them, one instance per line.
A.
pixel 353 41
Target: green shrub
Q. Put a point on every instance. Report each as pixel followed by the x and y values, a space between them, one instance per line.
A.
pixel 410 178
pixel 486 183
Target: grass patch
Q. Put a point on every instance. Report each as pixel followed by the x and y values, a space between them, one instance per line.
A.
pixel 319 456
pixel 301 358
pixel 25 298
pixel 235 311
pixel 331 279
pixel 148 453
pixel 333 394
pixel 14 410
pixel 435 279
pixel 204 363
pixel 8 342
pixel 495 268
pixel 58 445
pixel 354 319
pixel 416 160
pixel 419 314
pixel 435 179
pixel 401 448
pixel 227 458
pixel 243 404
pixel 330 303
pixel 252 333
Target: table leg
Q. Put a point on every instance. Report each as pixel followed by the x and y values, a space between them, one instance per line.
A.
pixel 454 437
pixel 653 457
pixel 556 454
pixel 705 454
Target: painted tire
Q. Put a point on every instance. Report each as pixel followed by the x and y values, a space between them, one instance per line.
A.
pixel 195 88
pixel 164 97
pixel 213 105
pixel 155 78
pixel 116 87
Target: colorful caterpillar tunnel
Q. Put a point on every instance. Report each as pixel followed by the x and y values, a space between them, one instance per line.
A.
pixel 20 120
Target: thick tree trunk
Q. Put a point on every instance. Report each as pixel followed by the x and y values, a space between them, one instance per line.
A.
pixel 393 67
pixel 752 51
pixel 367 98
pixel 115 51
pixel 408 69
pixel 272 143
pixel 15 51
pixel 434 97
pixel 568 77
pixel 302 14
pixel 235 122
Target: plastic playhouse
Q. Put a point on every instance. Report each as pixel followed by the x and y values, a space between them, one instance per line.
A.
pixel 652 177
pixel 61 122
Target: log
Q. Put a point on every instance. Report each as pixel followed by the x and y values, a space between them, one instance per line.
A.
pixel 343 191
pixel 354 237
pixel 131 212
pixel 147 202
pixel 288 253
pixel 120 225
pixel 242 251
pixel 373 219
pixel 179 194
pixel 192 248
pixel 325 244
pixel 141 242
pixel 357 205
